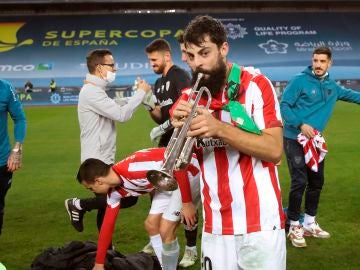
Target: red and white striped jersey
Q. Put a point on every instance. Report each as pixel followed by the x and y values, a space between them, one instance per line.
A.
pixel 132 171
pixel 315 149
pixel 240 193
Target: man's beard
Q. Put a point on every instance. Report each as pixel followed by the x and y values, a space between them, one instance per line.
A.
pixel 160 69
pixel 321 74
pixel 215 79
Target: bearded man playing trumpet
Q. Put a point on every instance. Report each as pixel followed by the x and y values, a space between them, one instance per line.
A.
pixel 238 143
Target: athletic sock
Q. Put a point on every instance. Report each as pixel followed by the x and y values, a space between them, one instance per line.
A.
pixel 193 248
pixel 294 223
pixel 170 255
pixel 77 204
pixel 308 220
pixel 157 245
pixel 191 235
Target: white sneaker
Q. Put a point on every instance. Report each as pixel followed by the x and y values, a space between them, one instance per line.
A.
pixel 314 230
pixel 189 259
pixel 296 236
pixel 148 249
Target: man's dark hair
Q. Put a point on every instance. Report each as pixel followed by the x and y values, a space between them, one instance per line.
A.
pixel 323 50
pixel 158 45
pixel 96 57
pixel 202 26
pixel 91 169
pixel 180 38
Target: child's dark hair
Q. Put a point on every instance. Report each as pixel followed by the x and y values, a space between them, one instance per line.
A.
pixel 91 169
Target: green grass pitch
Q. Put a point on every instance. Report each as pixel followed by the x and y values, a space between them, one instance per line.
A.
pixel 35 217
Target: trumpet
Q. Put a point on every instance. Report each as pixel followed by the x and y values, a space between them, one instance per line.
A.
pixel 179 150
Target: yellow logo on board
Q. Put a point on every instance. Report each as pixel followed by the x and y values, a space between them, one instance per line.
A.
pixel 8 39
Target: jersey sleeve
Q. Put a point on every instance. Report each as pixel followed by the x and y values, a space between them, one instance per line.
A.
pixel 17 115
pixel 266 106
pixel 103 105
pixel 182 81
pixel 289 98
pixel 106 232
pixel 184 185
pixel 348 95
pixel 184 96
pixel 183 180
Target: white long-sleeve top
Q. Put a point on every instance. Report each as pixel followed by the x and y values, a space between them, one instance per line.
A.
pixel 97 114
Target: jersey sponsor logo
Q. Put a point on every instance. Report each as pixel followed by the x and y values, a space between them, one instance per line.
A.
pixel 210 142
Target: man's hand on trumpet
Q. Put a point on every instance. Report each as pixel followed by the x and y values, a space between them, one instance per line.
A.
pixel 202 125
pixel 180 113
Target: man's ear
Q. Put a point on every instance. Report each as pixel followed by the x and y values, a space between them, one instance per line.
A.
pixel 98 71
pixel 99 180
pixel 224 49
pixel 167 56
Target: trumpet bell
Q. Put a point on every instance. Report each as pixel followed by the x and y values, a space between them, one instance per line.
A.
pixel 162 180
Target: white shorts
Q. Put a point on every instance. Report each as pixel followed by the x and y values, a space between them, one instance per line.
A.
pixel 256 251
pixel 160 202
pixel 170 203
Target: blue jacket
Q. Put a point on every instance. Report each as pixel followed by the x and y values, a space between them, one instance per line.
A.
pixel 9 103
pixel 307 99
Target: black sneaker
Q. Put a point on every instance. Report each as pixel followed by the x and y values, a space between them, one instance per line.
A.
pixel 76 215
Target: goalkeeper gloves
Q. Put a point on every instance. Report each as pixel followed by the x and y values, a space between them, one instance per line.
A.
pixel 160 130
pixel 149 101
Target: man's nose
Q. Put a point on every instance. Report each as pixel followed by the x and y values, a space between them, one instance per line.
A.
pixel 197 62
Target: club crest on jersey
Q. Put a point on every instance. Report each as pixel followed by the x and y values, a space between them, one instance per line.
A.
pixel 210 142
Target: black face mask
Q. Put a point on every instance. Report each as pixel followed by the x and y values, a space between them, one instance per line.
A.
pixel 216 77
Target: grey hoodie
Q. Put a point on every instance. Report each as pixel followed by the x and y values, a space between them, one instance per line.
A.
pixel 97 114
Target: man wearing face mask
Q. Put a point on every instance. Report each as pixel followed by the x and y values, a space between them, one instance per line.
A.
pixel 97 114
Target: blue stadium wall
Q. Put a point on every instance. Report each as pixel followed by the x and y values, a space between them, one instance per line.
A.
pixel 38 48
